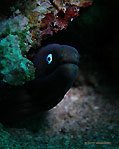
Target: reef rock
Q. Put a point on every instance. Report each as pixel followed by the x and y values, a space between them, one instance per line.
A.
pixel 23 31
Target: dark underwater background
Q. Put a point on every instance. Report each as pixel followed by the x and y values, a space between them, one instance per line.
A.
pixel 88 116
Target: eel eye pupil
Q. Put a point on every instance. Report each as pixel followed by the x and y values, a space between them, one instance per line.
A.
pixel 49 58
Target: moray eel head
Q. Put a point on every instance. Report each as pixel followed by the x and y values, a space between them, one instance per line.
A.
pixel 56 68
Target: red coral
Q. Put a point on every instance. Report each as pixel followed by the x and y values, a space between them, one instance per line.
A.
pixel 45 32
pixel 48 20
pixel 71 12
pixel 64 18
pixel 85 4
pixel 61 22
pixel 58 21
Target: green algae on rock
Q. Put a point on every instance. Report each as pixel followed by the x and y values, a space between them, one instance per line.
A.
pixel 16 69
pixel 24 31
pixel 14 66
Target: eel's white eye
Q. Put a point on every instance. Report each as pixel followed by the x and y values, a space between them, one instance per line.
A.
pixel 49 58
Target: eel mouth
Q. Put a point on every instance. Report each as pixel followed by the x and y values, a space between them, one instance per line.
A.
pixel 75 63
pixel 69 64
pixel 67 70
pixel 73 58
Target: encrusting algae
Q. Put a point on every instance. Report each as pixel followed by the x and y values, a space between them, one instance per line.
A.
pixel 24 31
